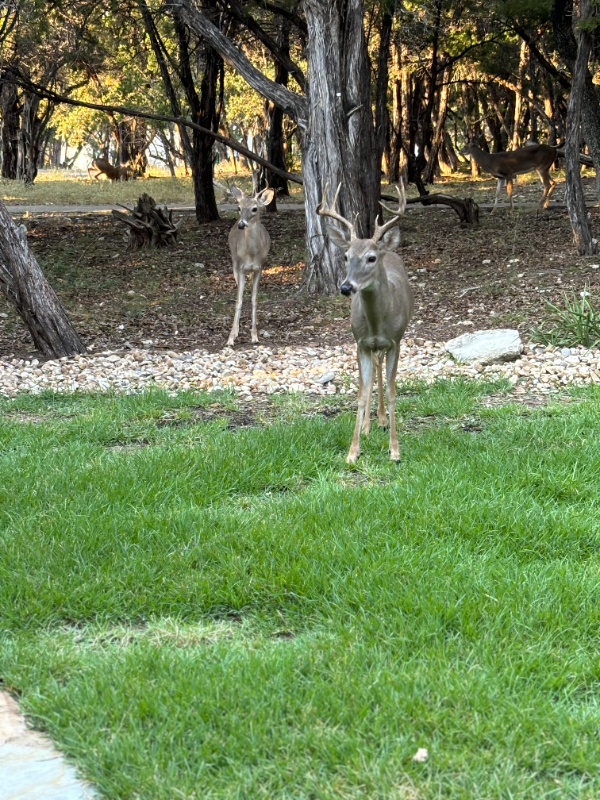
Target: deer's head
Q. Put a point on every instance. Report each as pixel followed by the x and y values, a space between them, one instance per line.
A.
pixel 473 146
pixel 251 206
pixel 363 256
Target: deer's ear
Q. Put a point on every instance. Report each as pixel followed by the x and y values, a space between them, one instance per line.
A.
pixel 339 238
pixel 266 196
pixel 390 240
pixel 237 193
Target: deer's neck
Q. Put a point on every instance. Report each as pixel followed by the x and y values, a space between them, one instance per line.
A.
pixel 252 231
pixel 376 303
pixel 484 159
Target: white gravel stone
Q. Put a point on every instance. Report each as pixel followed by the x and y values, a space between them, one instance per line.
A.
pixel 275 370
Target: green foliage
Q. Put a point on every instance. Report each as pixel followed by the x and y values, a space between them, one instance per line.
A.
pixel 577 322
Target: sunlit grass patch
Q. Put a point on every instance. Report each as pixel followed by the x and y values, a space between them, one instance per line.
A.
pixel 238 613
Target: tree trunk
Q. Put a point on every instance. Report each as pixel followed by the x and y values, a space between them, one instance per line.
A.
pixel 575 199
pixel 472 128
pixel 438 135
pixel 275 152
pixel 339 145
pixel 132 138
pixel 516 137
pixel 29 140
pixel 381 97
pixel 9 113
pixel 155 42
pixel 562 14
pixel 203 112
pixel 24 284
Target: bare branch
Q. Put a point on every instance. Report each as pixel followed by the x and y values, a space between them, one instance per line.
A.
pixel 286 62
pixel 294 105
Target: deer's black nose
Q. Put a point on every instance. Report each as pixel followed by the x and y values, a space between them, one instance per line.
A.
pixel 346 288
pixel 241 225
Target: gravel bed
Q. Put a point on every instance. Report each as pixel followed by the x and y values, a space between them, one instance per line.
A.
pixel 284 369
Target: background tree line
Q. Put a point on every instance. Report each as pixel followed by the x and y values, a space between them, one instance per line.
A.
pixel 351 91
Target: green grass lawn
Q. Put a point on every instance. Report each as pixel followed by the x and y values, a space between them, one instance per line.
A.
pixel 197 611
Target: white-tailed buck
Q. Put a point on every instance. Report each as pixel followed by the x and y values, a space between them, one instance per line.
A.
pixel 382 305
pixel 505 166
pixel 249 242
pixel 102 166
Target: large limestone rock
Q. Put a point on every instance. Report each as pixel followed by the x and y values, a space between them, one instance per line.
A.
pixel 486 347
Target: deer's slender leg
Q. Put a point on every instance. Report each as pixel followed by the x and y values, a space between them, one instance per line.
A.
pixel 365 364
pixel 549 185
pixel 499 186
pixel 255 280
pixel 366 426
pixel 381 416
pixel 509 188
pixel 391 366
pixel 241 279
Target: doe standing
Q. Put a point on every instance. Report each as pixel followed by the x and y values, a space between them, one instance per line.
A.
pixel 249 242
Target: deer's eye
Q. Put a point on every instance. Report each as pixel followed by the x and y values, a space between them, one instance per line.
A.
pixel 372 259
pixel 254 210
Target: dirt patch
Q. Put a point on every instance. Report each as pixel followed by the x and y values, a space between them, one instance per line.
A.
pixel 497 275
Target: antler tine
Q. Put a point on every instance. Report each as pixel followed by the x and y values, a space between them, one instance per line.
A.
pixel 331 212
pixel 381 229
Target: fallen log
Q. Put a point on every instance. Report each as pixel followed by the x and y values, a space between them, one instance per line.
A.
pixel 149 225
pixel 24 284
pixel 467 209
pixel 583 157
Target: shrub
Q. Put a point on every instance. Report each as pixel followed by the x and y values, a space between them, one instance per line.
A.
pixel 577 322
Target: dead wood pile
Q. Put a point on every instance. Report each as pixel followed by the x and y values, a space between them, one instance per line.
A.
pixel 149 225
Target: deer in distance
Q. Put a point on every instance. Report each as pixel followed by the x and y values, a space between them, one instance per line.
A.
pixel 102 166
pixel 381 308
pixel 249 242
pixel 505 166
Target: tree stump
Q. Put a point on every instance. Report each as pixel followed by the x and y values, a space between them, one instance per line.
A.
pixel 24 284
pixel 149 225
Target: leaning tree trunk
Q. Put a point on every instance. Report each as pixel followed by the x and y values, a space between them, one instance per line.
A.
pixel 574 196
pixel 339 144
pixel 24 284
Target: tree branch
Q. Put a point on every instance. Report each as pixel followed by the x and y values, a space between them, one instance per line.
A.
pixel 548 65
pixel 260 33
pixel 47 94
pixel 284 12
pixel 294 105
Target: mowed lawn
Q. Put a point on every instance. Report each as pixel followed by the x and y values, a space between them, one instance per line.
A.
pixel 193 610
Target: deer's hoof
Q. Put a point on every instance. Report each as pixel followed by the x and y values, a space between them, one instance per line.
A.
pixel 230 342
pixel 352 457
pixel 395 454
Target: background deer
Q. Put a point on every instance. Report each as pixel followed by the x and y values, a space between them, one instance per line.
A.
pixel 102 166
pixel 249 242
pixel 505 166
pixel 382 305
